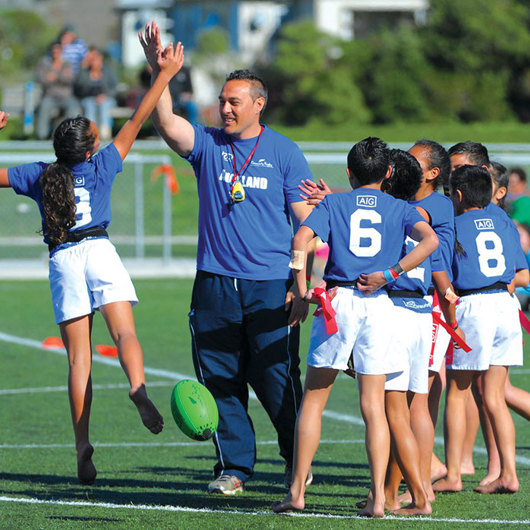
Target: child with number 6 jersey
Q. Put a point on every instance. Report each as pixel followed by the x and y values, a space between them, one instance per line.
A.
pixel 85 271
pixel 365 230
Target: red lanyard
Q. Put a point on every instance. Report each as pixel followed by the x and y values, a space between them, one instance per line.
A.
pixel 245 164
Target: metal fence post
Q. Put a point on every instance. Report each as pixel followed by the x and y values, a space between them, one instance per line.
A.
pixel 139 208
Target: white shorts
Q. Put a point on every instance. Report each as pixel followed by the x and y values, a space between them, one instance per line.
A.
pixel 411 340
pixel 85 276
pixel 363 327
pixel 440 341
pixel 491 324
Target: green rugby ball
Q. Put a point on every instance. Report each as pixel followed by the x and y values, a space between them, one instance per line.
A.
pixel 194 410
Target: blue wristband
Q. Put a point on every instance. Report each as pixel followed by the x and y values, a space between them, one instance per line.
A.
pixel 388 276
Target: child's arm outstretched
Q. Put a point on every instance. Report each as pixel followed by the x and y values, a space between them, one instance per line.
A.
pixel 169 62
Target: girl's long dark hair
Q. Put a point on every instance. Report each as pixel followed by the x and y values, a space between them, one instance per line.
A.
pixel 71 141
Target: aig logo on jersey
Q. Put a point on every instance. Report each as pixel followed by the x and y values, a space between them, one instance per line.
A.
pixel 79 182
pixel 484 224
pixel 368 201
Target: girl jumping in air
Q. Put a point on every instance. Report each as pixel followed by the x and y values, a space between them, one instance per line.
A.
pixel 85 271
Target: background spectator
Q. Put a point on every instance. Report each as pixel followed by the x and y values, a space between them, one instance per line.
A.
pixel 517 199
pixel 181 89
pixel 96 86
pixel 523 293
pixel 74 49
pixel 56 78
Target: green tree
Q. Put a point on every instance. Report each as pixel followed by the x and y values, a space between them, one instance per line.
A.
pixel 310 83
pixel 24 39
pixel 393 76
pixel 480 53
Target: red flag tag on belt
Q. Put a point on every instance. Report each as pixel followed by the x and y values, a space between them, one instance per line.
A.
pixel 524 321
pixel 324 303
pixel 437 318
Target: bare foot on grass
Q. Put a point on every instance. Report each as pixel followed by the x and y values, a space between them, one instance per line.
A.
pixel 151 418
pixel 500 485
pixel 467 468
pixel 372 509
pixel 489 478
pixel 438 469
pixel 86 471
pixel 412 509
pixel 446 485
pixel 288 504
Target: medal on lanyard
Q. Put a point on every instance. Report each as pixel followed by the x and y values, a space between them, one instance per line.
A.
pixel 237 192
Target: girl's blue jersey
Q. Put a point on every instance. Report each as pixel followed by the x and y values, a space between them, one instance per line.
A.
pixel 93 184
pixel 520 258
pixel 441 211
pixel 417 279
pixel 365 230
pixel 490 247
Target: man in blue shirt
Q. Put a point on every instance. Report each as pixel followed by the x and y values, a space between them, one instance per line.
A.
pixel 247 180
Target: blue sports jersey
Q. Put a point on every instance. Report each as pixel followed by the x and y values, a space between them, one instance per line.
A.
pixel 520 258
pixel 250 239
pixel 93 183
pixel 490 247
pixel 441 211
pixel 365 230
pixel 417 279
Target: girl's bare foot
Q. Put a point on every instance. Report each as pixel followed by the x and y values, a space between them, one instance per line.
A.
pixel 86 471
pixel 288 504
pixel 151 418
pixel 467 468
pixel 444 484
pixel 372 509
pixel 406 497
pixel 438 469
pixel 489 478
pixel 500 485
pixel 412 509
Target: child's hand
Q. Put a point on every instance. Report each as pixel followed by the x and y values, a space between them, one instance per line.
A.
pixel 4 116
pixel 369 283
pixel 461 334
pixel 312 192
pixel 151 44
pixel 171 60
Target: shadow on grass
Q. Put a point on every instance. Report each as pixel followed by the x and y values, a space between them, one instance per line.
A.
pixel 189 491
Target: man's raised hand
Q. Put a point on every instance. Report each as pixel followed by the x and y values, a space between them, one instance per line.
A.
pixel 151 44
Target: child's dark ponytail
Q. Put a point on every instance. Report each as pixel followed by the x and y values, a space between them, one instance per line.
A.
pixel 73 138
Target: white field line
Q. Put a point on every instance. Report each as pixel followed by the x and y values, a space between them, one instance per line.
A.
pixel 169 508
pixel 158 444
pixel 37 390
pixel 346 418
pixel 174 376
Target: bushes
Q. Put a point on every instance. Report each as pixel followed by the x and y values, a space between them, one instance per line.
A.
pixel 470 62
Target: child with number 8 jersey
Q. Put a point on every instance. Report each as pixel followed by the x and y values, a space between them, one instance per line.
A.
pixel 85 271
pixel 487 315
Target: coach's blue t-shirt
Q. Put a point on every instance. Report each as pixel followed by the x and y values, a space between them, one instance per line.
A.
pixel 490 247
pixel 250 239
pixel 520 258
pixel 365 230
pixel 441 211
pixel 92 180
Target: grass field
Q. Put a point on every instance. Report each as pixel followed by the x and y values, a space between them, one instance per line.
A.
pixel 159 482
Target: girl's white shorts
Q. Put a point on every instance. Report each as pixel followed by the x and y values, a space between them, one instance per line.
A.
pixel 85 276
pixel 493 331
